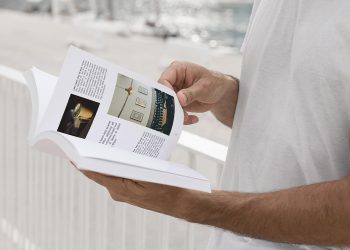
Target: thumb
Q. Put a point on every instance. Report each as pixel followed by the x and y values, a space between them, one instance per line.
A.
pixel 189 95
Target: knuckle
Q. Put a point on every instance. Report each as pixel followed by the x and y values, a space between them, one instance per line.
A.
pixel 175 63
pixel 113 195
pixel 206 85
pixel 206 88
pixel 162 81
pixel 178 64
pixel 116 196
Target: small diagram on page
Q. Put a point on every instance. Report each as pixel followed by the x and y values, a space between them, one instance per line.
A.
pixel 78 116
pixel 143 105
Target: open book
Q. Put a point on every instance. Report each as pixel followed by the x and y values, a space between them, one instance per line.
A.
pixel 107 119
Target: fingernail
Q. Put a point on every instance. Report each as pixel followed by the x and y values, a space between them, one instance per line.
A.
pixel 184 98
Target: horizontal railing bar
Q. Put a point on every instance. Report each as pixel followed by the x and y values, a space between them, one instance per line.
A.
pixel 12 74
pixel 203 146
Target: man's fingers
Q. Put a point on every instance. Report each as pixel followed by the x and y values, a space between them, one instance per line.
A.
pixel 190 119
pixel 165 83
pixel 189 95
pixel 197 107
pixel 117 187
pixel 168 77
pixel 182 98
pixel 134 187
pixel 94 176
pixel 101 179
pixel 175 76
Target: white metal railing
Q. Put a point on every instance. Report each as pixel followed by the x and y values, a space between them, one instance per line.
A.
pixel 46 204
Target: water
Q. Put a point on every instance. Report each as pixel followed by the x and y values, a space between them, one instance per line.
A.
pixel 213 22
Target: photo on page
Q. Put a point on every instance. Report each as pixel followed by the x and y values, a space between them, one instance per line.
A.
pixel 143 105
pixel 78 116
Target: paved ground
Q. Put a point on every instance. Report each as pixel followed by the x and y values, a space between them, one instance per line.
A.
pixel 38 40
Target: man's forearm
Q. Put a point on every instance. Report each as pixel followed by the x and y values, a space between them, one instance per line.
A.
pixel 316 214
pixel 224 110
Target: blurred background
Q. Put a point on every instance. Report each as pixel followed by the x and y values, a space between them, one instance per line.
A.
pixel 143 35
pixel 45 204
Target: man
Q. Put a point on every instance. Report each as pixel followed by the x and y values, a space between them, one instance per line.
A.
pixel 286 180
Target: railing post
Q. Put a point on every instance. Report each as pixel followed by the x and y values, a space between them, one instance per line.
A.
pixel 55 8
pixel 9 160
pixel 123 224
pixel 190 227
pixel 140 229
pixel 2 170
pixel 164 233
pixel 94 8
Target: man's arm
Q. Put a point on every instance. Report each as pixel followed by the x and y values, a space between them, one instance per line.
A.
pixel 225 110
pixel 316 214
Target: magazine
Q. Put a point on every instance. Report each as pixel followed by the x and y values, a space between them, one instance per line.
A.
pixel 107 119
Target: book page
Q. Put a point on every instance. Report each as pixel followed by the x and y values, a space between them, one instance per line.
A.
pixel 98 101
pixel 41 87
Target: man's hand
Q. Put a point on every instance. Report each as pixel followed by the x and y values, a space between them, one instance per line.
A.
pixel 164 199
pixel 199 90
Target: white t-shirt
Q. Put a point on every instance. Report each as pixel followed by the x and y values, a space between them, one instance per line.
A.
pixel 292 120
